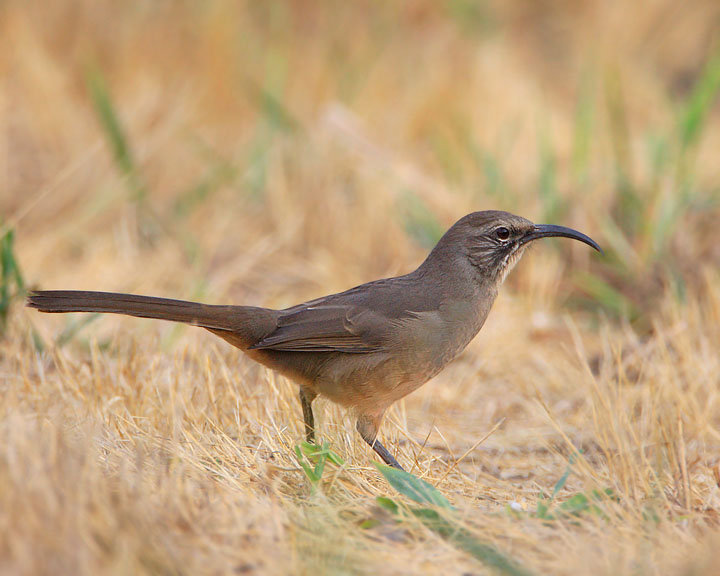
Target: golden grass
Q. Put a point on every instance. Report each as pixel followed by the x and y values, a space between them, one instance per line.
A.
pixel 283 149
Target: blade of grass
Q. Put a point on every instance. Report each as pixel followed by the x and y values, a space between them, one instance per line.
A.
pixel 622 255
pixel 553 207
pixel 420 222
pixel 115 135
pixel 467 542
pixel 583 128
pixel 273 110
pixel 74 326
pixel 447 156
pixel 312 458
pixel 420 491
pixel 618 124
pixel 413 487
pixel 610 299
pixel 698 105
pixel 628 207
pixel 10 275
pixel 474 18
pixel 219 175
pixel 493 175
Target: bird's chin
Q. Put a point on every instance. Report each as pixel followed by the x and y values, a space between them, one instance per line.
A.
pixel 508 263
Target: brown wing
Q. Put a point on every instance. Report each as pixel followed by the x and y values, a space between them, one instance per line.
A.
pixel 326 328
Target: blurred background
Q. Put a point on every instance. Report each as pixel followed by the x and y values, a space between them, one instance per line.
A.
pixel 265 152
pixel 269 152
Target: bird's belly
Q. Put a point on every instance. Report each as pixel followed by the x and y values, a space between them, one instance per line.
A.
pixel 382 379
pixel 367 383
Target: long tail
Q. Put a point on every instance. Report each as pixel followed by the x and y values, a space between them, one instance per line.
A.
pixel 248 324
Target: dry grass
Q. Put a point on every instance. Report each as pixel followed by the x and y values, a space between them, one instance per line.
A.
pixel 276 152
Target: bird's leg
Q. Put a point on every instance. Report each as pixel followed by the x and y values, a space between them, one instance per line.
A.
pixel 306 399
pixel 368 426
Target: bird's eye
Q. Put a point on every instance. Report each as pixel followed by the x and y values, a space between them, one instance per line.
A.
pixel 502 233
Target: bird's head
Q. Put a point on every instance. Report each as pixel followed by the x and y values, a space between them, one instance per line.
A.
pixel 494 241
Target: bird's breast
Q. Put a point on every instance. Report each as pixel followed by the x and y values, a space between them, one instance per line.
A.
pixel 430 340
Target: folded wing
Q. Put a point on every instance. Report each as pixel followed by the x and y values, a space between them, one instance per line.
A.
pixel 318 327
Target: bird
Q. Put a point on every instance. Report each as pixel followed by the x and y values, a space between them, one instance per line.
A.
pixel 369 346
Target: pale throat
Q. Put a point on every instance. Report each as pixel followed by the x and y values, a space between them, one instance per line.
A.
pixel 508 263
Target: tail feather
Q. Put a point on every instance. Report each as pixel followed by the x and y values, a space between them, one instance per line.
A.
pixel 142 306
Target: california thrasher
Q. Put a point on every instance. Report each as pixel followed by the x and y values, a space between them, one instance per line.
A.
pixel 371 345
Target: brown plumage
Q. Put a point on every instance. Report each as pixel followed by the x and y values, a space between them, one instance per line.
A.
pixel 371 345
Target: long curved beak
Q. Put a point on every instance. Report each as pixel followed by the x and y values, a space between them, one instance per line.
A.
pixel 547 230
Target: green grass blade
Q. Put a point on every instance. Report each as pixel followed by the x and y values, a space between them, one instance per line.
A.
pixel 619 127
pixel 420 222
pixel 309 472
pixel 467 542
pixel 700 102
pixel 583 131
pixel 413 487
pixel 474 18
pixel 74 326
pixel 542 509
pixel 611 299
pixel 114 134
pixel 420 491
pixel 552 204
pixel 388 504
pixel 11 280
pixel 492 173
pixel 5 278
pixel 314 451
pixel 560 484
pixel 307 454
pixel 217 177
pixel 272 108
